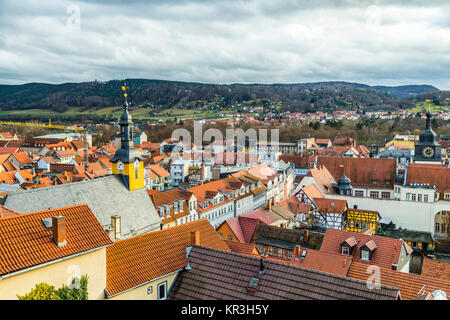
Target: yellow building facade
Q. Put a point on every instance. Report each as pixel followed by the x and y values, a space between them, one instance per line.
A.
pixel 356 220
pixel 57 273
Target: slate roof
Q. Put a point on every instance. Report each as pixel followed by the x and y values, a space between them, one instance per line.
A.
pixel 106 196
pixel 26 242
pixel 223 275
pixel 135 261
pixel 409 284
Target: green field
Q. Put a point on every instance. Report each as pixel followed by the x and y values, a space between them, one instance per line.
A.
pixel 425 106
pixel 139 113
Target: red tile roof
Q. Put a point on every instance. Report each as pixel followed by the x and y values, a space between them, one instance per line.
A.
pixel 320 261
pixel 362 171
pixel 429 174
pixel 331 205
pixel 409 284
pixel 387 252
pixel 439 270
pixel 26 242
pixel 135 261
pixel 294 205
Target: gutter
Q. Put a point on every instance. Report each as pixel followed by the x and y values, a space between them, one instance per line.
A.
pixel 50 262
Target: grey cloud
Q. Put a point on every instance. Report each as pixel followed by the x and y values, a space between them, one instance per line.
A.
pixel 374 42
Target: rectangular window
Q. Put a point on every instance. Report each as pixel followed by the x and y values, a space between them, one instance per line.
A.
pixel 419 197
pixel 365 255
pixel 385 195
pixel 437 228
pixel 162 291
pixel 275 251
pixel 359 193
pixel 345 250
pixel 425 198
pixel 374 194
pixel 413 197
pixel 230 237
pixel 408 196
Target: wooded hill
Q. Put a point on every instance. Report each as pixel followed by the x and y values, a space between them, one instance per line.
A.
pixel 166 94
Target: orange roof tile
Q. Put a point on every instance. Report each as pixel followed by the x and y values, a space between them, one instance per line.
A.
pixel 22 158
pixel 409 284
pixel 311 191
pixel 248 249
pixel 439 270
pixel 26 242
pixel 6 212
pixel 135 261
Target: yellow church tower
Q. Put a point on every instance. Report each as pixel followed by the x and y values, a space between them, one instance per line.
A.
pixel 128 160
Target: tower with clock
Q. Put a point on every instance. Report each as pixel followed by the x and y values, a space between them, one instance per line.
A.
pixel 127 160
pixel 427 149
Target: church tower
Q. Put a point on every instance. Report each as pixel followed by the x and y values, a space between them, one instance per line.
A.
pixel 427 149
pixel 128 160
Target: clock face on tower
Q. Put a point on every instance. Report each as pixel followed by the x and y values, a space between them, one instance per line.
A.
pixel 136 164
pixel 119 165
pixel 428 152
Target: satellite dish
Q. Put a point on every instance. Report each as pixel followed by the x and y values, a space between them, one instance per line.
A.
pixel 439 295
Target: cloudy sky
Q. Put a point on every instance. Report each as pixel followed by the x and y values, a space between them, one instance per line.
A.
pixel 374 42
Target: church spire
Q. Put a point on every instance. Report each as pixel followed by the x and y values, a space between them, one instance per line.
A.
pixel 128 160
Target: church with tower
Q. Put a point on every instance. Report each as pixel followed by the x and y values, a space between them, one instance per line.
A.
pixel 427 149
pixel 128 160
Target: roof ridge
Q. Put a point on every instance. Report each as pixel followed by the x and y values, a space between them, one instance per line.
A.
pixel 42 211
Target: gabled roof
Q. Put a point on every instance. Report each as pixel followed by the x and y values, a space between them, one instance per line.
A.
pixel 409 284
pixel 5 212
pixel 22 158
pixel 223 275
pixel 26 242
pixel 138 260
pixel 320 261
pixel 323 178
pixel 437 175
pixel 311 191
pixel 247 249
pixel 362 171
pixel 106 196
pixel 330 205
pixel 439 270
pixel 244 226
pixel 386 254
pixel 294 205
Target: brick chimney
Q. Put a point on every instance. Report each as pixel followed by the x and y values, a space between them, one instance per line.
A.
pixel 59 230
pixel 195 238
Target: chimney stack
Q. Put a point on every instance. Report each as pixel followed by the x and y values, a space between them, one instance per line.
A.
pixel 296 253
pixel 195 238
pixel 117 227
pixel 59 230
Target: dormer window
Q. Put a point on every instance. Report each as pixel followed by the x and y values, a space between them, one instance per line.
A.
pixel 180 205
pixel 365 255
pixel 367 250
pixel 345 250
